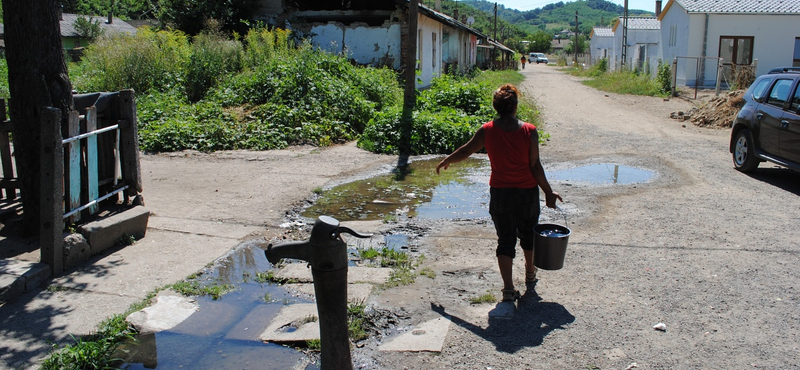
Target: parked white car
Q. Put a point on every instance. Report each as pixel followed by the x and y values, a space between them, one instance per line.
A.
pixel 537 58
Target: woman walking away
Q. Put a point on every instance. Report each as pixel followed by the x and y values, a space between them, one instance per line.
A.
pixel 517 174
pixel 523 61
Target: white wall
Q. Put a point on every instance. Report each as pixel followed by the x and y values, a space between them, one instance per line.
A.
pixel 600 44
pixel 773 40
pixel 429 65
pixel 375 46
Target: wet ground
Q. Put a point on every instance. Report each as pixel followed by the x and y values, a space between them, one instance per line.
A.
pixel 225 331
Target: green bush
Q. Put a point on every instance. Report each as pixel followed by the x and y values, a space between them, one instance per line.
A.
pixel 432 132
pixel 212 56
pixel 147 60
pixel 664 77
pixel 448 91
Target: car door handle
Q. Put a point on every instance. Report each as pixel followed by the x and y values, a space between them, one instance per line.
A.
pixel 760 115
pixel 784 123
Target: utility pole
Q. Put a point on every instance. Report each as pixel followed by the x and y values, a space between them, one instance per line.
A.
pixel 576 39
pixel 625 34
pixel 494 35
pixel 409 96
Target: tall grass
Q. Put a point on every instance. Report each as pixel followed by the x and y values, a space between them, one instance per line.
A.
pixel 212 56
pixel 145 61
pixel 626 82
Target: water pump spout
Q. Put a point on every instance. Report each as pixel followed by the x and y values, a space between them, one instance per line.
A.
pixel 300 250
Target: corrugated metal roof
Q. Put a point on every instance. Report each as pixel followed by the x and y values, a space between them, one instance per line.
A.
pixel 602 32
pixel 116 25
pixel 641 23
pixel 741 6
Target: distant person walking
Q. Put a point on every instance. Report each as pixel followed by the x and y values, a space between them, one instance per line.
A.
pixel 523 60
pixel 517 174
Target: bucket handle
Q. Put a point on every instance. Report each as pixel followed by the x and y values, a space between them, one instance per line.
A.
pixel 563 213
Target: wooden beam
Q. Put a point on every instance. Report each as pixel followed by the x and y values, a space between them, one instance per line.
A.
pixel 51 195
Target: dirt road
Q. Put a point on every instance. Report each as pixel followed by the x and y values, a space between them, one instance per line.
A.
pixel 710 252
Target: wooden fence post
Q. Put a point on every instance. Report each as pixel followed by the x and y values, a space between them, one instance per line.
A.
pixel 51 223
pixel 5 153
pixel 72 172
pixel 92 180
pixel 129 143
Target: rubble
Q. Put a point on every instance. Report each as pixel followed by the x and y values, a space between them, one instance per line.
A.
pixel 718 112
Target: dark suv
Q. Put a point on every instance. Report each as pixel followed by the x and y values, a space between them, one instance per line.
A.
pixel 767 127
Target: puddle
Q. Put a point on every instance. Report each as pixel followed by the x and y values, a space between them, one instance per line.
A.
pixel 462 191
pixel 602 174
pixel 224 333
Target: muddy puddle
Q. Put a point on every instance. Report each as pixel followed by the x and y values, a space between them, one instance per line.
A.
pixel 225 333
pixel 456 193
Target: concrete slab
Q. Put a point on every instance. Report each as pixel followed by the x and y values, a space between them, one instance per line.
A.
pixel 169 310
pixel 358 292
pixel 104 233
pixel 372 275
pixel 133 271
pixel 300 272
pixel 292 324
pixel 254 323
pixel 426 337
pixel 503 310
pixel 201 227
pixel 17 277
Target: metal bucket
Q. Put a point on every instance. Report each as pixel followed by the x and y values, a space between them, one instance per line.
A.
pixel 550 245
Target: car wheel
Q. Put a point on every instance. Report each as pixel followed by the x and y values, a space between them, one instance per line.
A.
pixel 744 158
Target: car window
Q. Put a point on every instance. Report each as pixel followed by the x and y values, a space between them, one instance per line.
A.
pixel 760 88
pixel 796 101
pixel 780 92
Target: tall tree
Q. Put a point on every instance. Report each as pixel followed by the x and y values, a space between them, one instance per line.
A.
pixel 37 76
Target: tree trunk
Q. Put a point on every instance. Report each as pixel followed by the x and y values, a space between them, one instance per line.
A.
pixel 37 76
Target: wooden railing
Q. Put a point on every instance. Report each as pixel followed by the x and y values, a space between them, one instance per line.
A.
pixel 97 161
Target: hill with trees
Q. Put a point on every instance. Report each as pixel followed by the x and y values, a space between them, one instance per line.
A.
pixel 555 17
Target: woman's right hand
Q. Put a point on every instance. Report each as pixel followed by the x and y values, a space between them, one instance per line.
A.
pixel 550 199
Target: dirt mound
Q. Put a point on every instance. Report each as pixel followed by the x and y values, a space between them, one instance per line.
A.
pixel 719 112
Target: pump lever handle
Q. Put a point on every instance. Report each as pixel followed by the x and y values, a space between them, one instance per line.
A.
pixel 344 229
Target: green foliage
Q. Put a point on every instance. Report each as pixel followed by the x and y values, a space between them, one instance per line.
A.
pixel 485 298
pixel 145 61
pixel 125 9
pixel 94 351
pixel 4 92
pixel 212 56
pixel 664 77
pixel 195 288
pixel 87 28
pixel 190 16
pixel 357 321
pixel 264 44
pixel 626 82
pixel 369 254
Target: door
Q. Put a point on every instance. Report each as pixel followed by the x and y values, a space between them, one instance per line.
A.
pixel 770 114
pixel 790 138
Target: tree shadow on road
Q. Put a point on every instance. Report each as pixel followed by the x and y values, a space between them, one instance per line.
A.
pixel 532 321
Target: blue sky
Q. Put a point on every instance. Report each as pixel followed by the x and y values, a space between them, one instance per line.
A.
pixel 649 5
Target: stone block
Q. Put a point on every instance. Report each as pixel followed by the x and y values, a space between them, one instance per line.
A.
pixel 104 233
pixel 76 250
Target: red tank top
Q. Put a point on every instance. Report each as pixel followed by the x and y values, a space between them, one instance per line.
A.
pixel 509 154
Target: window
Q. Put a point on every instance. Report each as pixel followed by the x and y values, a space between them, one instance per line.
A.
pixel 433 50
pixel 761 87
pixel 736 49
pixel 796 101
pixel 796 62
pixel 419 49
pixel 780 92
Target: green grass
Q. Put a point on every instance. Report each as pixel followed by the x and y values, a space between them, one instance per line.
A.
pixel 357 321
pixel 270 278
pixel 485 298
pixel 195 288
pixel 428 272
pixel 620 82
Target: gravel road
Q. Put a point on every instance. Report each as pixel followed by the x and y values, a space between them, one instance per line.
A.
pixel 709 252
